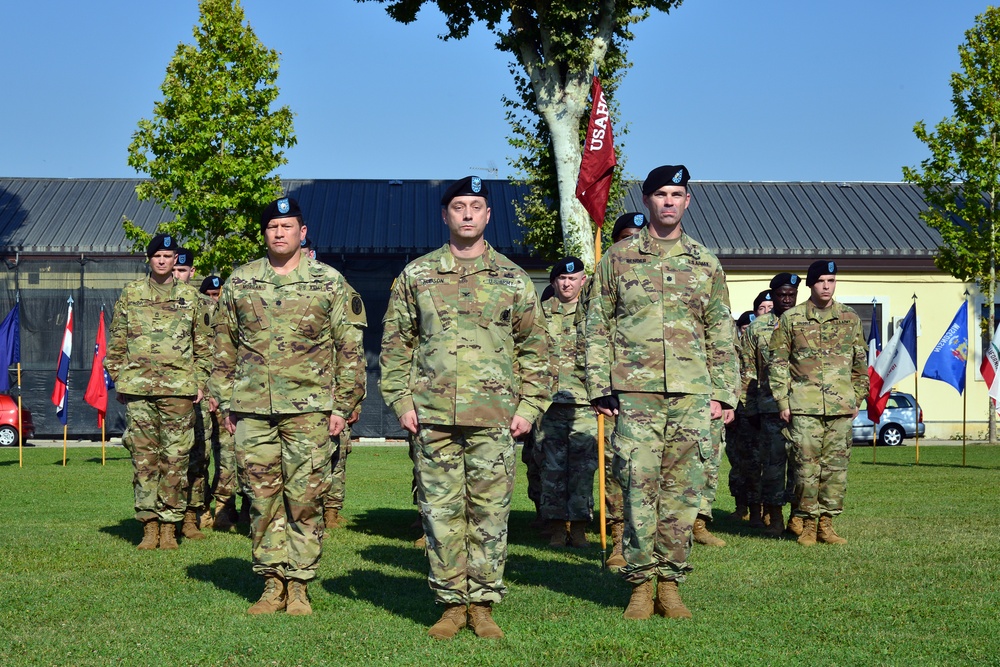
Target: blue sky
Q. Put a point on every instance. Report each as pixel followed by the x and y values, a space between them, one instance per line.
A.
pixel 748 90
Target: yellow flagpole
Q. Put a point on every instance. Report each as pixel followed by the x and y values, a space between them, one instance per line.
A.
pixel 64 445
pixel 600 435
pixel 20 423
pixel 102 440
pixel 916 396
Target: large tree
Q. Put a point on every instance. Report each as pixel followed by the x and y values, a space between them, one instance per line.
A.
pixel 214 141
pixel 556 44
pixel 961 178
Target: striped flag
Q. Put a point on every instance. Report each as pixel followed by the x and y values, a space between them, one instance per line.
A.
pixel 991 364
pixel 10 344
pixel 61 391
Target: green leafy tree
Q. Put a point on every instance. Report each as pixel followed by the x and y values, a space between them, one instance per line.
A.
pixel 556 45
pixel 961 178
pixel 214 141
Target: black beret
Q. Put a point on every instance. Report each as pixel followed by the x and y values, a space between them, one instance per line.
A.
pixel 286 207
pixel 160 242
pixel 745 319
pixel 566 265
pixel 821 267
pixel 184 257
pixel 783 279
pixel 668 174
pixel 761 298
pixel 626 221
pixel 211 282
pixel 470 186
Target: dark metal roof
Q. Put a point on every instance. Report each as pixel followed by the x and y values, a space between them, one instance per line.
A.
pixel 868 221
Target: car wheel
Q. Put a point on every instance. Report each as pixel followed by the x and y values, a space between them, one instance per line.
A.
pixel 891 435
pixel 8 436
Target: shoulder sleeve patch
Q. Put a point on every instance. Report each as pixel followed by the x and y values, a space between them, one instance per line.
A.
pixel 356 307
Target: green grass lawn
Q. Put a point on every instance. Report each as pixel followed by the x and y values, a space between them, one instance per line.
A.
pixel 917 584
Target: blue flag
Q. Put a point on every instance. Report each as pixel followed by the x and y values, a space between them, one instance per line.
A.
pixel 10 344
pixel 947 361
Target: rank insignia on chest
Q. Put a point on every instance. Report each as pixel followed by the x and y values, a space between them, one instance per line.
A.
pixel 505 316
pixel 669 279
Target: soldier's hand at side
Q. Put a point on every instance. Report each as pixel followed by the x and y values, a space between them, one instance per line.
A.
pixel 786 416
pixel 519 426
pixel 728 416
pixel 606 405
pixel 409 421
pixel 355 416
pixel 337 425
pixel 200 396
pixel 213 405
pixel 230 424
pixel 716 409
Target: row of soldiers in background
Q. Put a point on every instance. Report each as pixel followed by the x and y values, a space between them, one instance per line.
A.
pixel 285 379
pixel 804 376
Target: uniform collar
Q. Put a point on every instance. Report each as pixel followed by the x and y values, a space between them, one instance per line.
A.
pixel 822 315
pixel 649 246
pixel 486 261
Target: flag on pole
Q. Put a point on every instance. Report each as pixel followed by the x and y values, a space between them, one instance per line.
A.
pixel 897 361
pixel 598 163
pixel 991 362
pixel 97 388
pixel 60 392
pixel 10 344
pixel 874 349
pixel 947 361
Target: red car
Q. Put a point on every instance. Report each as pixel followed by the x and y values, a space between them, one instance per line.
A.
pixel 8 422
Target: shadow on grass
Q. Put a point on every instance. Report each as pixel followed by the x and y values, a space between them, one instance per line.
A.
pixel 229 574
pixel 890 464
pixel 404 596
pixel 97 459
pixel 128 530
pixel 387 522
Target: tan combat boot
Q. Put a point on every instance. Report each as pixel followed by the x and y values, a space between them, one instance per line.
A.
pixel 756 516
pixel 297 598
pixel 616 560
pixel 668 600
pixel 794 525
pixel 742 512
pixel 189 529
pixel 272 599
pixel 420 542
pixel 776 521
pixel 452 620
pixel 827 533
pixel 557 530
pixel 578 534
pixel 702 536
pixel 640 605
pixel 168 535
pixel 150 535
pixel 331 518
pixel 808 536
pixel 225 514
pixel 205 518
pixel 481 621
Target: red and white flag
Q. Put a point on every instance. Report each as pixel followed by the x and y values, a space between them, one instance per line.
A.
pixel 991 364
pixel 897 362
pixel 97 389
pixel 61 391
pixel 598 163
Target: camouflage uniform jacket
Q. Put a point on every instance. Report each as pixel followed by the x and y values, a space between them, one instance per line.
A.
pixel 465 347
pixel 659 322
pixel 159 347
pixel 289 344
pixel 818 361
pixel 757 360
pixel 568 353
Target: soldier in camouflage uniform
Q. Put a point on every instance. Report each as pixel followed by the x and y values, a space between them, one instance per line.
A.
pixel 159 358
pixel 768 482
pixel 740 440
pixel 198 489
pixel 660 356
pixel 289 371
pixel 465 367
pixel 334 501
pixel 818 375
pixel 568 432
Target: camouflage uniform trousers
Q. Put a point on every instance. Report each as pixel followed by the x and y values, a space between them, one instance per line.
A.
pixel 338 486
pixel 532 456
pixel 661 444
pixel 569 442
pixel 773 448
pixel 465 480
pixel 159 435
pixel 822 450
pixel 198 487
pixel 284 468
pixel 718 430
pixel 224 486
pixel 744 460
pixel 614 512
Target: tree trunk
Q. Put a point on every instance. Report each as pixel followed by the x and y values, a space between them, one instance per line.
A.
pixel 576 228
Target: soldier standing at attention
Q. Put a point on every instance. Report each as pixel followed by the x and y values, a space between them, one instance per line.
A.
pixel 660 357
pixel 819 377
pixel 159 357
pixel 767 480
pixel 289 371
pixel 198 489
pixel 465 367
pixel 568 431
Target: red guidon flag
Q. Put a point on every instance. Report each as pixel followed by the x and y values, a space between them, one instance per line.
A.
pixel 598 163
